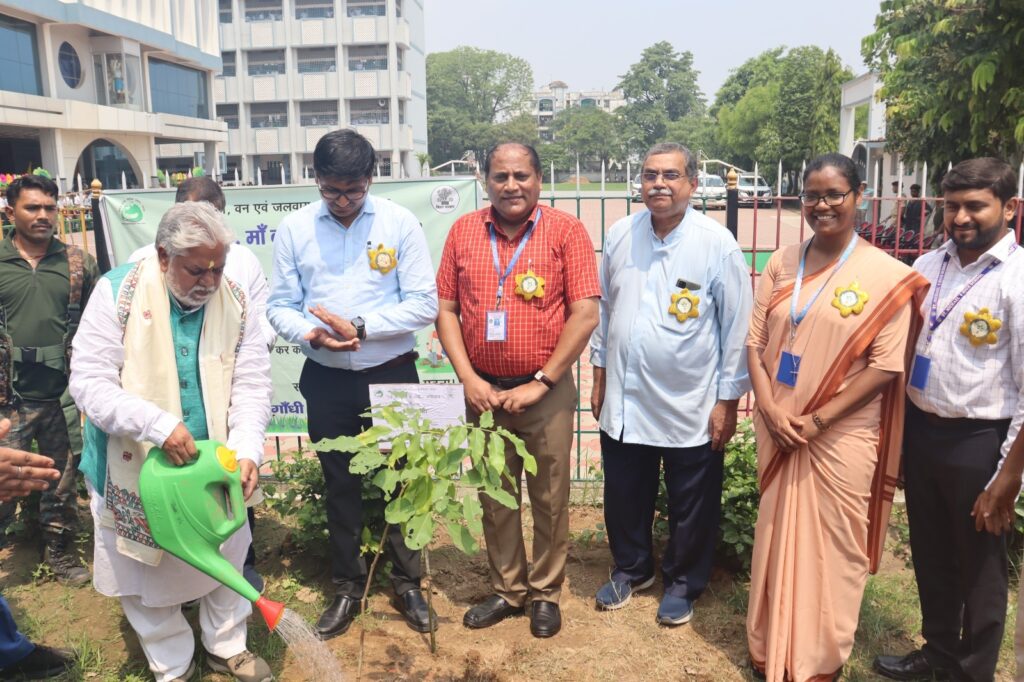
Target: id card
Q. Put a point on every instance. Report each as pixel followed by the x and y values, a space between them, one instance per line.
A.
pixel 497 325
pixel 789 367
pixel 919 372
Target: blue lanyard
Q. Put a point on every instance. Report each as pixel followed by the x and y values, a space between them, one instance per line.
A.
pixel 936 318
pixel 515 256
pixel 797 318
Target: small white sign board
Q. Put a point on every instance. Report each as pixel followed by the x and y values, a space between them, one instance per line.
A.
pixel 442 404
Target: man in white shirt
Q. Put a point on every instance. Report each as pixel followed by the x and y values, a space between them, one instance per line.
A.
pixel 962 465
pixel 669 369
pixel 168 353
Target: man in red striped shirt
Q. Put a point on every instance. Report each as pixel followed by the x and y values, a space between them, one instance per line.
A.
pixel 518 292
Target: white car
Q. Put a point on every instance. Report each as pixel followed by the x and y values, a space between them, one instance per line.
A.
pixel 753 189
pixel 634 190
pixel 709 192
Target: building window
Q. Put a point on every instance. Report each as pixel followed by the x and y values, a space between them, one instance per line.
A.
pixel 263 10
pixel 316 60
pixel 225 11
pixel 366 8
pixel 69 64
pixel 401 112
pixel 368 112
pixel 398 8
pixel 368 58
pixel 545 105
pixel 384 164
pixel 228 70
pixel 318 114
pixel 314 9
pixel 229 114
pixel 401 58
pixel 119 80
pixel 178 90
pixel 265 62
pixel 268 115
pixel 19 63
pixel 587 103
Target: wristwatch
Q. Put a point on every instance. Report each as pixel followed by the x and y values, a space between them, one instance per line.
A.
pixel 360 326
pixel 543 378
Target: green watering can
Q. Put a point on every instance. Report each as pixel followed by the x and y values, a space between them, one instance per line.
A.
pixel 193 509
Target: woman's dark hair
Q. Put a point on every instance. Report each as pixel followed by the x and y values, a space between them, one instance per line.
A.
pixel 534 156
pixel 844 164
pixel 46 185
pixel 344 155
pixel 982 173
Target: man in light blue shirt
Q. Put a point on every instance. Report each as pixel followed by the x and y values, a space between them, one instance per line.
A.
pixel 352 284
pixel 669 369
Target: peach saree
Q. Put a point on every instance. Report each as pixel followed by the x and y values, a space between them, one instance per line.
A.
pixel 824 508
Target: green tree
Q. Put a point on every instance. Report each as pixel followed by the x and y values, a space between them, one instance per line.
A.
pixel 590 132
pixel 743 126
pixel 660 88
pixel 469 91
pixel 952 77
pixel 699 132
pixel 760 70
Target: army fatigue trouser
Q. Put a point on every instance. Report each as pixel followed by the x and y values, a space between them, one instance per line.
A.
pixel 44 423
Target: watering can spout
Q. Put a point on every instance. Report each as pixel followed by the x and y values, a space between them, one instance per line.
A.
pixel 271 611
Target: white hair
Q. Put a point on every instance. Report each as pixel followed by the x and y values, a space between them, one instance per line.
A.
pixel 192 223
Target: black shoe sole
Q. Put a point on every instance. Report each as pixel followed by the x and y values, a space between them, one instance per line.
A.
pixel 493 621
pixel 923 677
pixel 544 634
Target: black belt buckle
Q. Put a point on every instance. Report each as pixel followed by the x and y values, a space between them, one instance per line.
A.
pixel 28 355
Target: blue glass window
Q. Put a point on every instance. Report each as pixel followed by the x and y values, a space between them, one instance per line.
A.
pixel 178 90
pixel 70 66
pixel 19 63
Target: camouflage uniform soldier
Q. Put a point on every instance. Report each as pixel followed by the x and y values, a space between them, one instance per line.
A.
pixel 44 285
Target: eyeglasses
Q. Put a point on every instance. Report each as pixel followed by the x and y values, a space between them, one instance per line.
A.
pixel 668 176
pixel 332 194
pixel 831 199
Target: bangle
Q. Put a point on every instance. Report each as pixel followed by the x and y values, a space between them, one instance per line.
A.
pixel 819 422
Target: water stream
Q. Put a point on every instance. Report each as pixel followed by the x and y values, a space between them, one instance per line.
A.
pixel 310 652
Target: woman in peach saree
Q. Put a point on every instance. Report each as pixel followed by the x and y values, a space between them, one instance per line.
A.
pixel 828 375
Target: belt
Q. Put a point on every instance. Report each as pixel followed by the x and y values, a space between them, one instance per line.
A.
pixel 956 422
pixel 397 361
pixel 505 382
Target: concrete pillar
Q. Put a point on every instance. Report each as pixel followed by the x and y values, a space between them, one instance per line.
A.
pixel 210 157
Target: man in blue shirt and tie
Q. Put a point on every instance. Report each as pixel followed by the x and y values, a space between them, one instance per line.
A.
pixel 669 369
pixel 352 284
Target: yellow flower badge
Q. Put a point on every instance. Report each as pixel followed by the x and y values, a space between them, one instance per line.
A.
pixel 530 285
pixel 684 305
pixel 382 260
pixel 850 300
pixel 980 327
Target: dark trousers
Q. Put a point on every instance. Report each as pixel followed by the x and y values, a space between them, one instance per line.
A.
pixel 335 399
pixel 693 478
pixel 961 572
pixel 42 423
pixel 13 645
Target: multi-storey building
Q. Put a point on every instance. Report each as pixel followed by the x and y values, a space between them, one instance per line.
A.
pixel 296 69
pixel 88 88
pixel 556 96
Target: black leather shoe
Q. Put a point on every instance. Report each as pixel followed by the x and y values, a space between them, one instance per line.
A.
pixel 490 611
pixel 337 617
pixel 913 666
pixel 545 619
pixel 413 607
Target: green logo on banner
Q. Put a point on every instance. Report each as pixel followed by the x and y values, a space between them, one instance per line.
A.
pixel 131 211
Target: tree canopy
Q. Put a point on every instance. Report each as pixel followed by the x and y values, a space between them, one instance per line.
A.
pixel 470 92
pixel 952 76
pixel 659 89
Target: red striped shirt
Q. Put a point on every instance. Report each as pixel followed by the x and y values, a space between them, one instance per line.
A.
pixel 559 251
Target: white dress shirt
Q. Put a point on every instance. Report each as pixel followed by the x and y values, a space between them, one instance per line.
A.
pixel 984 381
pixel 664 376
pixel 244 268
pixel 318 260
pixel 95 383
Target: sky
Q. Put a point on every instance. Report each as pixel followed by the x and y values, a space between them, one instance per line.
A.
pixel 590 44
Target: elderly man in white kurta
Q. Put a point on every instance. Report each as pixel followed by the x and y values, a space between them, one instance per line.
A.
pixel 169 352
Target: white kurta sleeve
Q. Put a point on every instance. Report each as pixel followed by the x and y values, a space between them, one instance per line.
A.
pixel 251 387
pixel 95 383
